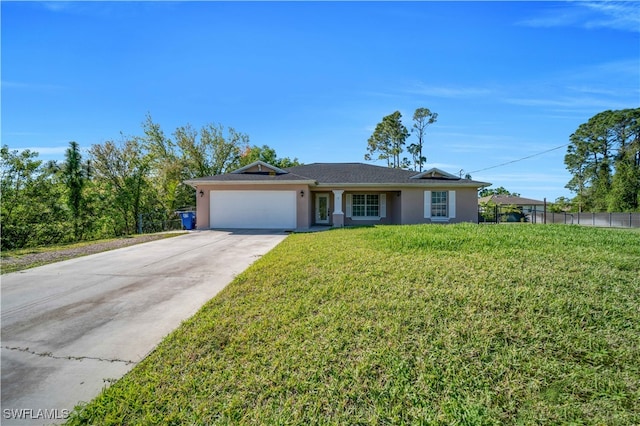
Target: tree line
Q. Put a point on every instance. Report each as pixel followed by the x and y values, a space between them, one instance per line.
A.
pixel 118 184
pixel 603 158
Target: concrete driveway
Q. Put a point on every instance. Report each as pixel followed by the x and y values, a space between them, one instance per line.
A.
pixel 71 328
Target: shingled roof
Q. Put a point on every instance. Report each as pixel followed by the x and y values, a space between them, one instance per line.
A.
pixel 510 200
pixel 338 174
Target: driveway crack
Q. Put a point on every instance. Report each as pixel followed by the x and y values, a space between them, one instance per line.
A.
pixel 70 357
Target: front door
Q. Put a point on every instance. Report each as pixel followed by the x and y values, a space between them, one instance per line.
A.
pixel 322 209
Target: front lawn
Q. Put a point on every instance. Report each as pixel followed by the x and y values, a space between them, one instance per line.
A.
pixel 431 324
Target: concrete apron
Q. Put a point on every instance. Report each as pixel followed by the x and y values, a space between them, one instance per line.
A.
pixel 71 328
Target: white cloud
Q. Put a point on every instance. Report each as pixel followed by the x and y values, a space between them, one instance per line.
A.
pixel 595 90
pixel 609 85
pixel 577 102
pixel 558 16
pixel 47 150
pixel 30 86
pixel 56 6
pixel 442 166
pixel 618 15
pixel 536 178
pixel 531 185
pixel 448 91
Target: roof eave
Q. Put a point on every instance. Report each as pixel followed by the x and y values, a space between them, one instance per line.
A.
pixel 195 183
pixel 431 184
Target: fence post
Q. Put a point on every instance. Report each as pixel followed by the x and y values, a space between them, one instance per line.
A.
pixel 534 219
pixel 593 219
pixel 140 223
pixel 630 216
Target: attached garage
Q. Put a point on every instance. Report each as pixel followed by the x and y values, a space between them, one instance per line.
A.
pixel 250 209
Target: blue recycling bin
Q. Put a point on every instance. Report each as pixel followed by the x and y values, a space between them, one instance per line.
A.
pixel 188 220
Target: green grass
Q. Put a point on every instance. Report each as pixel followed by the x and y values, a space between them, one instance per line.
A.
pixel 464 324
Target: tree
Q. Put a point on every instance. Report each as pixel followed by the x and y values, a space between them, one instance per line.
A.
pixel 139 177
pixel 225 151
pixel 388 139
pixel 74 176
pixel 625 187
pixel 213 150
pixel 625 184
pixel 422 118
pixel 123 172
pixel 268 155
pixel 561 204
pixel 167 165
pixel 603 158
pixel 497 191
pixel 32 211
pixel 576 161
pixel 416 157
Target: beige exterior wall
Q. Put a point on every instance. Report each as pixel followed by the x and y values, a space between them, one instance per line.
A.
pixel 467 205
pixel 413 205
pixel 404 205
pixel 203 202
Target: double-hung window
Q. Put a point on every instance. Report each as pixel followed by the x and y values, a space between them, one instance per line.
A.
pixel 365 205
pixel 439 204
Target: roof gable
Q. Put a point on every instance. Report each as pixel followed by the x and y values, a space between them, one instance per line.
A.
pixel 435 173
pixel 259 167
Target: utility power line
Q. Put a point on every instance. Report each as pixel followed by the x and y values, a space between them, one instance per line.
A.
pixel 520 159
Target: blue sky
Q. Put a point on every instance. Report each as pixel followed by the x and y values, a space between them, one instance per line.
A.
pixel 508 79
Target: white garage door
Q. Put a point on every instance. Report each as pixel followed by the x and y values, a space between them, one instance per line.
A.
pixel 253 209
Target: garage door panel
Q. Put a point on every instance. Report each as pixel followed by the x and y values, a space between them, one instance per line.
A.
pixel 253 209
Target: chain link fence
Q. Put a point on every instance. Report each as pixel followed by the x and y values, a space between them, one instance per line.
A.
pixel 158 222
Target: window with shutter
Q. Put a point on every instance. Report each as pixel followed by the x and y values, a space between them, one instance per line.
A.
pixel 439 205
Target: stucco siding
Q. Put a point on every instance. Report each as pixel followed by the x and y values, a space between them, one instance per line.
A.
pixel 466 205
pixel 403 205
pixel 412 200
